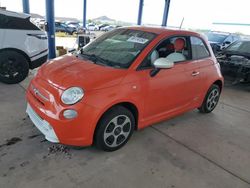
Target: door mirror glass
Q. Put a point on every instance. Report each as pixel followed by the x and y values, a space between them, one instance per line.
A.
pixel 46 27
pixel 163 63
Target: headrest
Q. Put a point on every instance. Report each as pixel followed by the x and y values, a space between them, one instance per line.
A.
pixel 154 56
pixel 179 44
pixel 170 47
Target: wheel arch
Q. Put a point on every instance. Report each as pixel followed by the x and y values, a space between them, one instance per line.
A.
pixel 19 51
pixel 218 83
pixel 128 105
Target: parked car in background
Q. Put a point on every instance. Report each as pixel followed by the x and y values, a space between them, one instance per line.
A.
pixel 100 26
pixel 125 80
pixel 62 27
pixel 73 24
pixel 92 27
pixel 220 40
pixel 235 61
pixel 77 25
pixel 108 28
pixel 23 46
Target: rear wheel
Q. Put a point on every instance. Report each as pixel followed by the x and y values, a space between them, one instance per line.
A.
pixel 114 129
pixel 211 100
pixel 74 33
pixel 14 67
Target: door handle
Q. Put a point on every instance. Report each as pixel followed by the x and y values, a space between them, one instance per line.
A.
pixel 195 73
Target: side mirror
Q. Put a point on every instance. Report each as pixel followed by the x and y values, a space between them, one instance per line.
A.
pixel 161 63
pixel 46 27
pixel 227 42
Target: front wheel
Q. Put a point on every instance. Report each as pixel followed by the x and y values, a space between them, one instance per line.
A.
pixel 114 129
pixel 14 67
pixel 211 100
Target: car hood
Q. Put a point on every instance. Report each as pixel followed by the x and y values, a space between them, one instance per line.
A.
pixel 68 71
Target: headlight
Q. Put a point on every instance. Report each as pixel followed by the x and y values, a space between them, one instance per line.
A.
pixel 72 95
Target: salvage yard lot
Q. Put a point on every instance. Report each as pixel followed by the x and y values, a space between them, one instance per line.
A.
pixel 192 151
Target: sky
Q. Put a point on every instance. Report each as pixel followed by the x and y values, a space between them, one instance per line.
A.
pixel 197 14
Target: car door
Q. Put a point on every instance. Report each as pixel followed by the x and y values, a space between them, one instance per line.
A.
pixel 172 90
pixel 202 57
pixel 57 27
pixel 3 27
pixel 60 27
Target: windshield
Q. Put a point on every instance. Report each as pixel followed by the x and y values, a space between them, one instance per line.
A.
pixel 216 37
pixel 64 25
pixel 240 47
pixel 118 48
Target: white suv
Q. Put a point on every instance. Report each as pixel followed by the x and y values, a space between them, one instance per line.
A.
pixel 23 46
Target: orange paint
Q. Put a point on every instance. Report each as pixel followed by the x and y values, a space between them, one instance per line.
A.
pixel 169 93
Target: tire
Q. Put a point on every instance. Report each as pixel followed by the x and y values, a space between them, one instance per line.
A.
pixel 211 100
pixel 14 67
pixel 112 132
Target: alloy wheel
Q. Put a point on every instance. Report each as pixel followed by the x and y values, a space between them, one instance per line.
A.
pixel 117 131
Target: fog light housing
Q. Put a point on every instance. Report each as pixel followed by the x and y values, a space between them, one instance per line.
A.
pixel 70 114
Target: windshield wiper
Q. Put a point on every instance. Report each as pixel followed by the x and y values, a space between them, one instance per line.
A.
pixel 91 57
pixel 98 60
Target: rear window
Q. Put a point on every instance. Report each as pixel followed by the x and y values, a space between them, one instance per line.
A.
pixel 216 37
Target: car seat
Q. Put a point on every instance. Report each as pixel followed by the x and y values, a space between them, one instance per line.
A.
pixel 176 56
pixel 154 56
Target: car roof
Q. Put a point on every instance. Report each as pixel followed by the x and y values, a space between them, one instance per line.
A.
pixel 162 30
pixel 14 14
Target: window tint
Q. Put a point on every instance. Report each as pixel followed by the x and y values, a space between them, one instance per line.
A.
pixel 166 48
pixel 9 22
pixel 3 21
pixel 229 39
pixel 199 49
pixel 240 47
pixel 119 47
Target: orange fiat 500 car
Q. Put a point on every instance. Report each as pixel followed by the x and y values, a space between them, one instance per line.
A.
pixel 125 80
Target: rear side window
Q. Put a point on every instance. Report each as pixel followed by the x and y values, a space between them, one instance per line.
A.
pixel 199 48
pixel 3 21
pixel 9 22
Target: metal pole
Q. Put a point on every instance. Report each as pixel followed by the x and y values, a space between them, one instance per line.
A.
pixel 165 13
pixel 140 12
pixel 26 6
pixel 50 18
pixel 84 13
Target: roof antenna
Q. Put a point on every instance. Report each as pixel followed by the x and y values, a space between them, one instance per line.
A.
pixel 181 23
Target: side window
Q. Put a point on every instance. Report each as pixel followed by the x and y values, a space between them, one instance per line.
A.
pixel 235 38
pixel 166 49
pixel 4 21
pixel 199 49
pixel 10 22
pixel 229 39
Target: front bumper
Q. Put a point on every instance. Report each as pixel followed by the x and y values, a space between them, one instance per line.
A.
pixel 47 111
pixel 42 125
